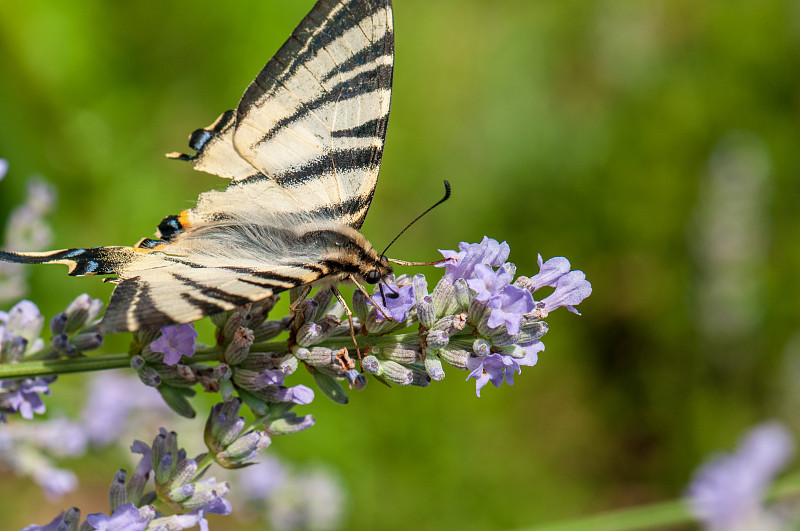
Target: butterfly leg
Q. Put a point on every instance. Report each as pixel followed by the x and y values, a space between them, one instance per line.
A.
pixel 369 298
pixel 304 291
pixel 349 314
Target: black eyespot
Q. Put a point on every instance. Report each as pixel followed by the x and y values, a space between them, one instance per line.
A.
pixel 373 277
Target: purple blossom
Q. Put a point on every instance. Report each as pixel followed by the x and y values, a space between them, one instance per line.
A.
pixel 175 341
pixel 395 307
pixel 298 394
pixel 488 283
pixel 145 465
pixel 23 396
pixel 462 264
pixel 508 307
pixel 570 289
pixel 126 517
pixel 493 368
pixel 729 489
pixel 270 377
pixel 549 272
pixel 52 526
pixel 3 168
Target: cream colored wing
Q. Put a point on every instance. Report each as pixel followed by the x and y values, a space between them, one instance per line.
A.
pixel 308 133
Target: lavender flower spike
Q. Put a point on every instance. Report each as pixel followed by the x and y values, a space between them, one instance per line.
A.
pixel 726 493
pixel 462 263
pixel 175 342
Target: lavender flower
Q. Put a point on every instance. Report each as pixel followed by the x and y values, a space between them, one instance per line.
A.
pixel 571 289
pixel 727 493
pixel 126 517
pixel 396 300
pixel 461 264
pixel 3 168
pixel 175 342
pixel 488 283
pixel 23 396
pixel 495 368
pixel 508 307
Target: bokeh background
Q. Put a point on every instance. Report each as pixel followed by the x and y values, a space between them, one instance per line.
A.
pixel 654 144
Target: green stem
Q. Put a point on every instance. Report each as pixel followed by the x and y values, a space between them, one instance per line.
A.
pixel 102 362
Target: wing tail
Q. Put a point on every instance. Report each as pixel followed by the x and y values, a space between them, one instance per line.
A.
pixel 81 262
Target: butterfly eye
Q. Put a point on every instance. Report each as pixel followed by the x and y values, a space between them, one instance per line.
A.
pixel 373 277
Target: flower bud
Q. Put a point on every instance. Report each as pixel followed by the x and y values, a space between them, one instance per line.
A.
pixel 149 376
pixel 137 362
pixel 463 294
pixel 234 322
pixel 420 287
pixel 206 491
pixel 267 330
pixel 243 449
pixel 444 299
pixel 433 366
pixel 454 355
pixel 481 348
pixel 531 329
pixel 310 334
pixel 79 312
pixel 395 373
pixel 239 347
pixel 400 352
pixel 184 473
pixel 87 341
pixel 118 495
pixel 290 423
pixel 437 339
pixel 58 324
pixel 426 313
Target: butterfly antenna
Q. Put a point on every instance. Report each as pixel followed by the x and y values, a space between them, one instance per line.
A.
pixel 439 202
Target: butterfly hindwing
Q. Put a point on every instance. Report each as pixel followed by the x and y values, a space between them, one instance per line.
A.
pixel 311 126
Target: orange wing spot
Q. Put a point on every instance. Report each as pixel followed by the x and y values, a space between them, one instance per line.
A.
pixel 183 219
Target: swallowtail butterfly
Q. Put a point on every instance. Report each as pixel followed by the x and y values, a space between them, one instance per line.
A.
pixel 302 150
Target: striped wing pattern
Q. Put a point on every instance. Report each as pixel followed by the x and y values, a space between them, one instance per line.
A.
pixel 303 148
pixel 310 128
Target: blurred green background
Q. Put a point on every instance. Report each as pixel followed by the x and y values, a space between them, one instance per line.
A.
pixel 654 144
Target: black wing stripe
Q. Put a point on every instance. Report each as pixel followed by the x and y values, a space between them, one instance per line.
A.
pixel 320 28
pixel 211 292
pixel 345 93
pixel 340 160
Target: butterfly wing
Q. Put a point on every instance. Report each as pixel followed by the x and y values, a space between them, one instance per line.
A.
pixel 308 133
pixel 302 148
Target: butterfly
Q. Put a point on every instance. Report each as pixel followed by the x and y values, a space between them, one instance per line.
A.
pixel 302 150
